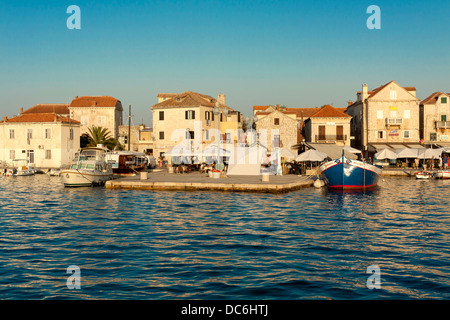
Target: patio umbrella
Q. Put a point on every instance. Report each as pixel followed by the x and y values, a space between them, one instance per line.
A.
pixel 429 153
pixel 386 154
pixel 285 153
pixel 407 153
pixel 311 155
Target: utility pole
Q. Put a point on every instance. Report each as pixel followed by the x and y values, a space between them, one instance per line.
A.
pixel 129 127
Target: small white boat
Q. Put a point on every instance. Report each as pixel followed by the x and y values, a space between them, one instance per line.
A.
pixel 442 174
pixel 54 172
pixel 21 168
pixel 89 168
pixel 423 175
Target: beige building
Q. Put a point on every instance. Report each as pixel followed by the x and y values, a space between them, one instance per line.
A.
pixel 387 116
pixel 435 119
pixel 103 111
pixel 328 125
pixel 141 138
pixel 189 118
pixel 46 140
pixel 276 128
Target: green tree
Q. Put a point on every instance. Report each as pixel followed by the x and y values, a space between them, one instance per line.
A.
pixel 99 135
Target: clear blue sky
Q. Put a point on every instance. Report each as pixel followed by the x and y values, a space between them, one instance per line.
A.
pixel 294 53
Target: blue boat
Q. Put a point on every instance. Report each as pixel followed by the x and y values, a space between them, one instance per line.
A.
pixel 344 173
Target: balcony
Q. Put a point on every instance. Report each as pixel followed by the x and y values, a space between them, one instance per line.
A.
pixel 394 121
pixel 442 124
pixel 330 137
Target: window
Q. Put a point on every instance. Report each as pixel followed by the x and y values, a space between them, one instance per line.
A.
pixel 161 135
pixel 407 114
pixel 48 154
pixel 84 120
pixel 379 114
pixel 11 134
pixel 71 134
pixel 189 114
pixel 189 135
pixel 30 134
pixel 443 99
pixel 276 141
pixel 380 134
pixel 393 114
pixel 393 95
pixel 433 136
pixel 101 121
pixel 48 133
pixel 206 134
pixel 161 115
pixel 228 137
pixel 406 134
pixel 276 121
pixel 207 115
pixel 12 154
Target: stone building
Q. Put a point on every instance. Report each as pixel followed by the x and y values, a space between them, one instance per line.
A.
pixel 141 138
pixel 328 125
pixel 47 140
pixel 387 116
pixel 189 118
pixel 435 119
pixel 103 111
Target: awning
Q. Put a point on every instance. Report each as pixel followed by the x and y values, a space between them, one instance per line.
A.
pixel 332 150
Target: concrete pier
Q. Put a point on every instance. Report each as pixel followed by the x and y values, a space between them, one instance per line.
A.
pixel 201 182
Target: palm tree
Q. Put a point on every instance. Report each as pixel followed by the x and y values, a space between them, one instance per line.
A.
pixel 100 135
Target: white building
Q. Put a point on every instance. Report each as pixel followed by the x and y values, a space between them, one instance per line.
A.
pixel 47 140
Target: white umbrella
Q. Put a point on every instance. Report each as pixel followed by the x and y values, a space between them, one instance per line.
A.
pixel 407 153
pixel 386 154
pixel 285 153
pixel 429 153
pixel 311 155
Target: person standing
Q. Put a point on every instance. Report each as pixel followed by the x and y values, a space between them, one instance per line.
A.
pixel 445 162
pixel 416 161
pixel 440 162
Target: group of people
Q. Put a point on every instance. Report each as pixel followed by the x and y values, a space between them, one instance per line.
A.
pixel 441 162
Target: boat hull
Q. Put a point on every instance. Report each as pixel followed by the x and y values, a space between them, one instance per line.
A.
pixel 344 173
pixel 75 178
pixel 423 175
pixel 442 174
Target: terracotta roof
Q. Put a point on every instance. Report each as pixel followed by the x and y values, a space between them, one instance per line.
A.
pixel 186 99
pixel 329 112
pixel 100 101
pixel 262 107
pixel 375 91
pixel 305 112
pixel 40 117
pixel 59 108
pixel 432 98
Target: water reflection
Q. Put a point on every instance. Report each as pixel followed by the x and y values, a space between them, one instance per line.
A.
pixel 313 243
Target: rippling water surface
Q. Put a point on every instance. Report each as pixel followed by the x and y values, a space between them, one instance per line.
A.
pixel 308 244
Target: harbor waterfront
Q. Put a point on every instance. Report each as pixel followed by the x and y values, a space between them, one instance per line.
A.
pixel 311 243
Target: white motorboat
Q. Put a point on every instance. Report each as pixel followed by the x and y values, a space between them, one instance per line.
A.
pixel 442 174
pixel 54 172
pixel 89 168
pixel 423 175
pixel 21 168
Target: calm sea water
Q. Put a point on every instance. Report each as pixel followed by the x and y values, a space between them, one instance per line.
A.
pixel 309 244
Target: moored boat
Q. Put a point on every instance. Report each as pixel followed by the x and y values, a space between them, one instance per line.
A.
pixel 423 175
pixel 89 168
pixel 442 174
pixel 344 173
pixel 127 162
pixel 21 168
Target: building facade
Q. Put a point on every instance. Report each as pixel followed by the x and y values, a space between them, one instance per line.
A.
pixel 387 115
pixel 141 138
pixel 189 118
pixel 328 125
pixel 102 111
pixel 46 140
pixel 435 119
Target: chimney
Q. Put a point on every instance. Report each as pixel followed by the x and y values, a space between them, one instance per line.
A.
pixel 21 110
pixel 278 107
pixel 5 119
pixel 364 93
pixel 221 99
pixel 350 103
pixel 76 97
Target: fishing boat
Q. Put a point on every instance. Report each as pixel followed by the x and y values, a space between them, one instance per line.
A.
pixel 21 168
pixel 89 168
pixel 126 163
pixel 423 175
pixel 345 173
pixel 442 174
